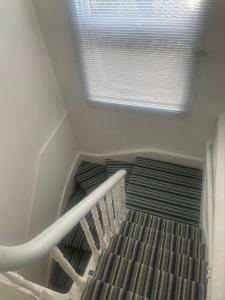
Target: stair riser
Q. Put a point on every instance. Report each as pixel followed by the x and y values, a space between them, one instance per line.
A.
pixel 131 249
pixel 141 280
pixel 165 225
pixel 178 265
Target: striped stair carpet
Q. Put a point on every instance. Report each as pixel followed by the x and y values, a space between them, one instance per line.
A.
pixel 158 253
pixel 144 263
pixel 114 166
pixel 165 190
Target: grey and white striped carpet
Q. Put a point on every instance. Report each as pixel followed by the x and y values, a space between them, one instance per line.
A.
pixel 158 253
pixel 144 263
pixel 161 286
pixel 166 190
pixel 78 259
pixel 114 166
pixel 90 175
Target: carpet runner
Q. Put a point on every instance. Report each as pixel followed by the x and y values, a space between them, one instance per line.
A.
pixel 158 253
pixel 165 190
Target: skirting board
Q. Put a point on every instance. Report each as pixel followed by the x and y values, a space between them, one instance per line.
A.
pixel 129 156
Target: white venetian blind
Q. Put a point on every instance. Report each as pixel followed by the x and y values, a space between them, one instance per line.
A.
pixel 140 53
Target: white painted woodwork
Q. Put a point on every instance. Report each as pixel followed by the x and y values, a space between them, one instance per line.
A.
pixel 123 198
pixel 89 237
pixel 116 205
pixel 111 212
pixel 98 226
pixel 105 220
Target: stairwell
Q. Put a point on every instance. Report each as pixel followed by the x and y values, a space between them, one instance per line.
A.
pixel 158 252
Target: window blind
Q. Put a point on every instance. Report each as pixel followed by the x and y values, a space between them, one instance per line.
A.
pixel 141 53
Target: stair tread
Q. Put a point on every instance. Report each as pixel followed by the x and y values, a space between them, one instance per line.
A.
pixel 140 232
pixel 165 190
pixel 162 286
pixel 170 168
pixel 148 205
pixel 176 264
pixel 99 290
pixel 164 185
pixel 90 175
pixel 156 284
pixel 126 246
pixel 144 219
pixel 172 178
pixel 140 215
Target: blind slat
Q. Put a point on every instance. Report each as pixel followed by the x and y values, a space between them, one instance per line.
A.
pixel 140 52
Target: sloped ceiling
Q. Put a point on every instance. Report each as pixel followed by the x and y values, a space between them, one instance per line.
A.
pixel 102 130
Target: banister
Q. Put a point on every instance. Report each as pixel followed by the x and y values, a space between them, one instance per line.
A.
pixel 15 257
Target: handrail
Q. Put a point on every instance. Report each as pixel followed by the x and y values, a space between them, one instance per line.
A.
pixel 15 257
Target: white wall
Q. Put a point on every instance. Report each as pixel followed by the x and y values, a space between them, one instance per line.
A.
pixel 101 130
pixel 37 146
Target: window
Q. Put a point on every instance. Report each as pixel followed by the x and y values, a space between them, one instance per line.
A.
pixel 140 53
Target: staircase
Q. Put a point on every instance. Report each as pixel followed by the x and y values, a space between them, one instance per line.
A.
pixel 158 252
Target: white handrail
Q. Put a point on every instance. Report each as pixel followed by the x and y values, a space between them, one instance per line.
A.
pixel 15 257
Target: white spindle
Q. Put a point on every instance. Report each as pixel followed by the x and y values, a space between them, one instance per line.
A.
pixel 111 212
pixel 105 220
pixel 120 201
pixel 98 227
pixel 57 255
pixel 116 207
pixel 90 239
pixel 20 282
pixel 123 197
